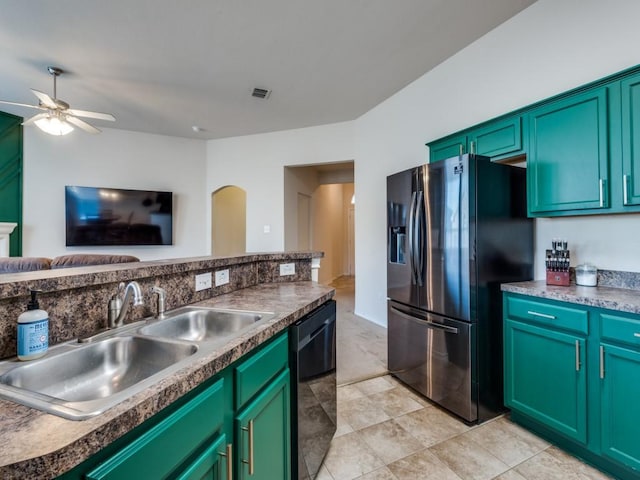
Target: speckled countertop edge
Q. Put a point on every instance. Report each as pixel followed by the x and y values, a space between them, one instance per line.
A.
pixel 619 299
pixel 37 445
pixel 14 284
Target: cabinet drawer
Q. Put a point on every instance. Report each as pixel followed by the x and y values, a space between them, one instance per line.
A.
pixel 620 329
pixel 157 452
pixel 257 371
pixel 566 318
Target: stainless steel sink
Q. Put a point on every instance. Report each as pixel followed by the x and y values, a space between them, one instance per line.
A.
pixel 203 324
pixel 79 381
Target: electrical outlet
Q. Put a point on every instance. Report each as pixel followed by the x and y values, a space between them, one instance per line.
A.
pixel 287 269
pixel 203 281
pixel 222 277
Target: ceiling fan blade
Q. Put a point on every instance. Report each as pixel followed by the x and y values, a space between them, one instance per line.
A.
pixel 87 114
pixel 23 105
pixel 45 99
pixel 34 119
pixel 82 124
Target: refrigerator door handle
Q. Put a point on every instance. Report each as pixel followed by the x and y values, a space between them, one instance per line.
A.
pixel 419 239
pixel 426 323
pixel 412 228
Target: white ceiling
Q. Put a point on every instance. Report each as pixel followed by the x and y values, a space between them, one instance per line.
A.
pixel 162 66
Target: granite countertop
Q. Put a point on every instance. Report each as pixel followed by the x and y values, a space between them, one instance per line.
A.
pixel 37 445
pixel 620 299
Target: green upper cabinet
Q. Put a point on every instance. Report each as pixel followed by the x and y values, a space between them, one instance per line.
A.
pixel 448 147
pixel 11 178
pixel 498 139
pixel 501 138
pixel 568 160
pixel 630 91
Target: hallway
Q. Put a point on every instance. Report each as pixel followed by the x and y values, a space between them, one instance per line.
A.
pixel 361 348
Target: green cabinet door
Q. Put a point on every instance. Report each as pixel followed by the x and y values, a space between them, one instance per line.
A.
pixel 620 388
pixel 263 434
pixel 447 148
pixel 213 464
pixel 170 443
pixel 630 91
pixel 568 161
pixel 545 377
pixel 498 139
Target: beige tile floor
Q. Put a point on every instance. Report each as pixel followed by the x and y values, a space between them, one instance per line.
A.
pixel 388 432
pixel 361 346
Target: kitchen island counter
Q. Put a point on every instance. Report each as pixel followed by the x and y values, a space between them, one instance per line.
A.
pixel 37 445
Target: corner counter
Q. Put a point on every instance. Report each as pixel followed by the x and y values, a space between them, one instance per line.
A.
pixel 37 445
pixel 611 298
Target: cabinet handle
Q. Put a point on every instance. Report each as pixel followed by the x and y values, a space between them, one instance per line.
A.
pixel 577 355
pixel 472 147
pixel 636 335
pixel 250 461
pixel 229 456
pixel 625 180
pixel 543 315
pixel 601 361
pixel 601 185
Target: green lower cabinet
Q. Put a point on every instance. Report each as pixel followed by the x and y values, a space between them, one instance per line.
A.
pixel 157 453
pixel 213 464
pixel 620 390
pixel 263 433
pixel 210 434
pixel 572 375
pixel 545 377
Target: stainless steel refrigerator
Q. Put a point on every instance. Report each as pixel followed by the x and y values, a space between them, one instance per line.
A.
pixel 457 229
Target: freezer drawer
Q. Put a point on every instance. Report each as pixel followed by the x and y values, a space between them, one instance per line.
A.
pixel 432 354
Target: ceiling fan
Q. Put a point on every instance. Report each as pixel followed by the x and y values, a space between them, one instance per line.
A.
pixel 57 118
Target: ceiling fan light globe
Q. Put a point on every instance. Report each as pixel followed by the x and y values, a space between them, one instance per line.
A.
pixel 54 126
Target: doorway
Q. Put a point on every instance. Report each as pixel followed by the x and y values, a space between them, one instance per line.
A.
pixel 319 215
pixel 228 221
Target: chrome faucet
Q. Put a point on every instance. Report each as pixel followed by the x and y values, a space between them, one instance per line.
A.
pixel 118 308
pixel 160 305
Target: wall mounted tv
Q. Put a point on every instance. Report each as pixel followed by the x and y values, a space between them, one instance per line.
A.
pixel 112 216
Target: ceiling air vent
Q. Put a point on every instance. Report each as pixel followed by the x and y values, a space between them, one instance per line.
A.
pixel 261 93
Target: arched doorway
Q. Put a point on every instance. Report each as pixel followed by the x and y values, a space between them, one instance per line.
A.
pixel 228 221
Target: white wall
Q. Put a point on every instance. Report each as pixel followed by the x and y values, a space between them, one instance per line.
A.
pixel 114 158
pixel 552 46
pixel 328 230
pixel 256 164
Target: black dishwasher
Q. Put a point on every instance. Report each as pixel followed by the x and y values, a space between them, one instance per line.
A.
pixel 313 352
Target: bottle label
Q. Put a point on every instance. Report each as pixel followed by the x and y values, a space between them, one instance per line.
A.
pixel 33 337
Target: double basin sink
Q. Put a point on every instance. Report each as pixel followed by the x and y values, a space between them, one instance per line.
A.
pixel 80 380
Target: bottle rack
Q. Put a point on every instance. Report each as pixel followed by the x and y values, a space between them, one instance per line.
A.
pixel 558 260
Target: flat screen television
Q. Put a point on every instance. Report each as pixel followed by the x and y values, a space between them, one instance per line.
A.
pixel 113 216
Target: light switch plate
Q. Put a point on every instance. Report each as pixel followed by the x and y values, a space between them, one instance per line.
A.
pixel 287 269
pixel 203 281
pixel 222 277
